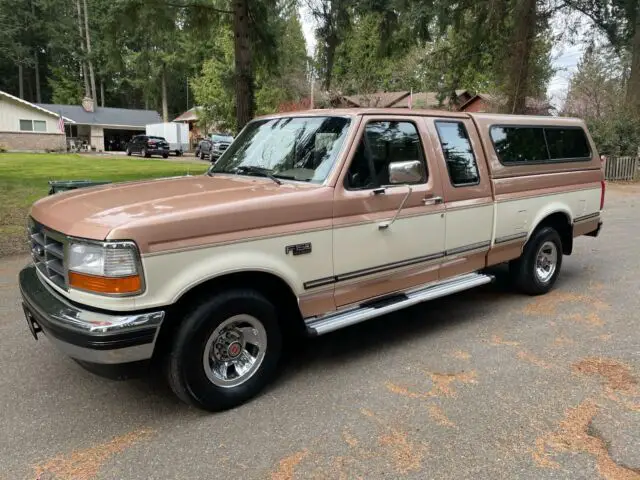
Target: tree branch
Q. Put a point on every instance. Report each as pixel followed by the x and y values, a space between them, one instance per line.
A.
pixel 198 5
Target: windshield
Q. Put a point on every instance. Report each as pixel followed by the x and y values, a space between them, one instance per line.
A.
pixel 221 138
pixel 293 148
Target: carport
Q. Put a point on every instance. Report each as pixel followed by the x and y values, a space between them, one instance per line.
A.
pixel 116 139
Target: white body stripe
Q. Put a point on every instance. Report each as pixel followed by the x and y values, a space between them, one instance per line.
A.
pixel 469 226
pixel 523 215
pixel 343 250
pixel 365 246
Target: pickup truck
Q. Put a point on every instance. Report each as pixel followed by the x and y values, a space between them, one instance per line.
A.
pixel 308 223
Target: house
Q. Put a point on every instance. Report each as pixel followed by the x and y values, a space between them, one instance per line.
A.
pixel 190 117
pixel 485 102
pixel 401 99
pixel 103 128
pixel 26 126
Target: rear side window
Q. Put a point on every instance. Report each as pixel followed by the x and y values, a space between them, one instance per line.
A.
pixel 567 143
pixel 517 145
pixel 458 153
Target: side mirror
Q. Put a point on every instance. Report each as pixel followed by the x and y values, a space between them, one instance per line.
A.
pixel 410 171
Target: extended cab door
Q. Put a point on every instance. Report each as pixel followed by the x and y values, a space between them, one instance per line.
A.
pixel 467 194
pixel 371 260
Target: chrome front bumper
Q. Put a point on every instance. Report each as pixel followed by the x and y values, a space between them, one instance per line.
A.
pixel 93 337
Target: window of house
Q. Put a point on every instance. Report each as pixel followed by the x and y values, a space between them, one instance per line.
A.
pixel 515 145
pixel 383 142
pixel 458 153
pixel 33 126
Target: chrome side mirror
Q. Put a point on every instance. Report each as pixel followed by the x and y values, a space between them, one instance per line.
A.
pixel 410 171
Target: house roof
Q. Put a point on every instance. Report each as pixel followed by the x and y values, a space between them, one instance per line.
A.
pixel 378 99
pixel 190 115
pixel 421 100
pixel 40 108
pixel 107 116
pixel 530 102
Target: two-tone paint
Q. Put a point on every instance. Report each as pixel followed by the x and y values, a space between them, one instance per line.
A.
pixel 194 229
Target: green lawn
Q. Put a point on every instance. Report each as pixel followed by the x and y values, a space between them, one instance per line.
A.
pixel 24 177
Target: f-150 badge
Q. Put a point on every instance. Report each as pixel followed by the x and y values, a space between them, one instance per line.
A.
pixel 299 249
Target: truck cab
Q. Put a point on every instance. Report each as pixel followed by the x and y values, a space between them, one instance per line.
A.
pixel 309 222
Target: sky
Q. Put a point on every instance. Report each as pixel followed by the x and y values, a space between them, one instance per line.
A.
pixel 565 55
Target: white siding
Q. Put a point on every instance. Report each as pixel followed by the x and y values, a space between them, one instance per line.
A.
pixel 12 112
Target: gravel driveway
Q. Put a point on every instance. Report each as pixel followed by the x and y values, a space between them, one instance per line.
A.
pixel 486 384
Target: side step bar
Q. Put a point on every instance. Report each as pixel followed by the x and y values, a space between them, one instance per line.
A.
pixel 335 321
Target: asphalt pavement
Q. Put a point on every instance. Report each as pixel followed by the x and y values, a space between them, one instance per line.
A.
pixel 486 384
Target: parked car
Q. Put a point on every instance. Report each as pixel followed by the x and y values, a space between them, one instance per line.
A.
pixel 213 147
pixel 147 145
pixel 312 222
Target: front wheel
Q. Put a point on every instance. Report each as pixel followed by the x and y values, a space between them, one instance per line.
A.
pixel 225 351
pixel 144 153
pixel 128 152
pixel 165 155
pixel 537 270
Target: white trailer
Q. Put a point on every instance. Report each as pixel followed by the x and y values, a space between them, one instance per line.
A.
pixel 175 133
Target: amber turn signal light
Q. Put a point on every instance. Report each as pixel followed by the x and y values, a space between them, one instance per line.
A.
pixel 116 285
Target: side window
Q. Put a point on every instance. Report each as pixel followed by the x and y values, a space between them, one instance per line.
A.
pixel 567 143
pixel 519 144
pixel 383 142
pixel 458 153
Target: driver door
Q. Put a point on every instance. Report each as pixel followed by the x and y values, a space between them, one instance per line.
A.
pixel 372 260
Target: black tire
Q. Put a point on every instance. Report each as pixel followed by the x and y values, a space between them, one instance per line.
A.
pixel 144 153
pixel 185 367
pixel 165 155
pixel 523 270
pixel 202 155
pixel 128 152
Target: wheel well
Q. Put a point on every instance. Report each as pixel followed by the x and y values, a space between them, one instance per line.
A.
pixel 271 286
pixel 560 222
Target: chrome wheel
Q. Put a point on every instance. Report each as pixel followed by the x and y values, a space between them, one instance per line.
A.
pixel 546 261
pixel 235 350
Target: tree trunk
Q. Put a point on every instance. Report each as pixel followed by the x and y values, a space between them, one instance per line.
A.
pixel 633 85
pixel 85 76
pixel 243 68
pixel 94 93
pixel 102 93
pixel 36 63
pixel 36 67
pixel 524 33
pixel 332 44
pixel 165 107
pixel 21 81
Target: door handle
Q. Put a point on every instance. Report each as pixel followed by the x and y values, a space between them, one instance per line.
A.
pixel 432 200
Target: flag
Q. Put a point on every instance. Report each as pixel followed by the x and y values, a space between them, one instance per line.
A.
pixel 411 99
pixel 60 122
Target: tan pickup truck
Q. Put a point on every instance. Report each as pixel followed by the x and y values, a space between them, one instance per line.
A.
pixel 309 222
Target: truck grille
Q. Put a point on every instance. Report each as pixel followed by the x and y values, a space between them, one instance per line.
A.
pixel 223 146
pixel 47 250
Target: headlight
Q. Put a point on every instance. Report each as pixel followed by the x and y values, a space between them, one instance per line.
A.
pixel 111 268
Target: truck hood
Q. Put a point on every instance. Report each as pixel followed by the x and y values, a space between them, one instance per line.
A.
pixel 165 211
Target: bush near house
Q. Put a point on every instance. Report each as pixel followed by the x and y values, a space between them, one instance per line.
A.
pixel 24 179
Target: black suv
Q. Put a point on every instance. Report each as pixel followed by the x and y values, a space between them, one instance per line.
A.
pixel 147 145
pixel 213 147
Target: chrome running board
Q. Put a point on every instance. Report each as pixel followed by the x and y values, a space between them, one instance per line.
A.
pixel 335 321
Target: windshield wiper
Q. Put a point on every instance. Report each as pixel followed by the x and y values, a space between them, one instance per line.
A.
pixel 263 172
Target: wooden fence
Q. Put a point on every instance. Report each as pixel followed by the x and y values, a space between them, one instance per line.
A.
pixel 621 168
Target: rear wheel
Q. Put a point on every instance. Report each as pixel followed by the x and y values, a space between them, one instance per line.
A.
pixel 537 270
pixel 225 351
